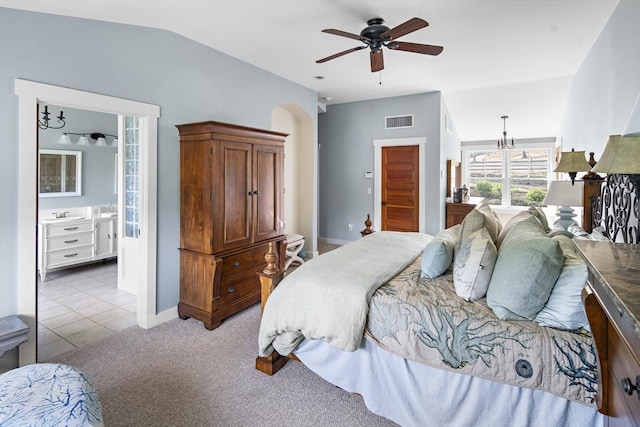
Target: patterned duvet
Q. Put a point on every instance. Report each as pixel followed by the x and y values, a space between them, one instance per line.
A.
pixel 425 321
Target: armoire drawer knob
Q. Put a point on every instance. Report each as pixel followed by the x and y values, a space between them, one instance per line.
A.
pixel 236 264
pixel 629 387
pixel 231 290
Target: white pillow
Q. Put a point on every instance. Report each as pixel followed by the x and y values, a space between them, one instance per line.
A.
pixel 473 266
pixel 438 254
pixel 471 223
pixel 491 221
pixel 564 309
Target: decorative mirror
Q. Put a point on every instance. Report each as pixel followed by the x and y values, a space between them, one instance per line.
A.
pixel 60 173
pixel 454 176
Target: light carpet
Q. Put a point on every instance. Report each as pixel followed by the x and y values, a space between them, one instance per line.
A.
pixel 180 374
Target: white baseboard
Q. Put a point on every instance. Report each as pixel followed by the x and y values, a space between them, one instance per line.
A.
pixel 167 315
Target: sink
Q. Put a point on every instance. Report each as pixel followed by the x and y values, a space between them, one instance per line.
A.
pixel 108 214
pixel 67 218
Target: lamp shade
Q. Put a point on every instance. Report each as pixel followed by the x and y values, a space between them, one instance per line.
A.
pixel 621 156
pixel 83 140
pixel 564 193
pixel 64 139
pixel 572 161
pixel 101 142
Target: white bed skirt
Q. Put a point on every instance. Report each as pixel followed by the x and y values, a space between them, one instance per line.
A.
pixel 413 394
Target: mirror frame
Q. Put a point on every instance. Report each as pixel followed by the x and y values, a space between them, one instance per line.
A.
pixel 78 155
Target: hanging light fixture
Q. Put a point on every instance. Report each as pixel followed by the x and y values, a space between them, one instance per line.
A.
pixel 44 123
pixel 100 138
pixel 504 142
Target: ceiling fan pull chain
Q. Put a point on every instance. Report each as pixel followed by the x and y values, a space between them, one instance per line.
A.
pixel 380 76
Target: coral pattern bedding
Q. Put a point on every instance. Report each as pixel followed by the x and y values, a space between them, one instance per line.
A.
pixel 423 320
pixel 48 394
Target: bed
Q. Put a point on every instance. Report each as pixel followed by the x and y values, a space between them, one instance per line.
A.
pixel 444 329
pixel 48 394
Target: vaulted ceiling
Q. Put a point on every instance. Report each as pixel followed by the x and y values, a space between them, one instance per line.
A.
pixel 500 57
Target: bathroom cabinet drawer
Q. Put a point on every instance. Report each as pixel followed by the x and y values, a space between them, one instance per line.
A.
pixel 69 227
pixel 69 256
pixel 69 241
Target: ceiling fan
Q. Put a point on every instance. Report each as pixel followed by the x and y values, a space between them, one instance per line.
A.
pixel 376 35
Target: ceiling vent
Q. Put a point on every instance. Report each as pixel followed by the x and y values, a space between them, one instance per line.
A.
pixel 396 122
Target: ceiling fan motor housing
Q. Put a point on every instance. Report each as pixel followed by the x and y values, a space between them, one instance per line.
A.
pixel 373 31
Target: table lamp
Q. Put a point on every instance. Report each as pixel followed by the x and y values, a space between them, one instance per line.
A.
pixel 572 162
pixel 622 156
pixel 564 194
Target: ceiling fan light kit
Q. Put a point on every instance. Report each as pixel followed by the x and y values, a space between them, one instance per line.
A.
pixel 377 35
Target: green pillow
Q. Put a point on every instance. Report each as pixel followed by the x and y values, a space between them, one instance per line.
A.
pixel 526 270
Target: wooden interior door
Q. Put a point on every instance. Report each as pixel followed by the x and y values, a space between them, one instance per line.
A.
pixel 400 188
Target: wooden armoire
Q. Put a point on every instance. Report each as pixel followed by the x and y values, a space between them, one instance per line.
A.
pixel 231 208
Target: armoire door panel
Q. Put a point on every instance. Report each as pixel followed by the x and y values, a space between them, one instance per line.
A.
pixel 195 196
pixel 267 184
pixel 238 193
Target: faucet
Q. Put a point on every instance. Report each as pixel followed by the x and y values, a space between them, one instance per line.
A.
pixel 60 214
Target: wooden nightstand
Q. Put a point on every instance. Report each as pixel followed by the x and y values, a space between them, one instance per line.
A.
pixel 612 304
pixel 457 211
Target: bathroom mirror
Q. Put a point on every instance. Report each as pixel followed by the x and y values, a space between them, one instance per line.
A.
pixel 60 173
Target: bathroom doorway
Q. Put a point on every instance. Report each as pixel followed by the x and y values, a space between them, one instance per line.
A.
pixel 29 95
pixel 79 299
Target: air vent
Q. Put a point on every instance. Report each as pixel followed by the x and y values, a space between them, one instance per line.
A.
pixel 396 122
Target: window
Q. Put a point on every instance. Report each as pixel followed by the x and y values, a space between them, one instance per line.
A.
pixel 525 171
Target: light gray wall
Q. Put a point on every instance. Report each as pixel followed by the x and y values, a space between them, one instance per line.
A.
pixel 190 83
pixel 346 133
pixel 607 84
pixel 98 163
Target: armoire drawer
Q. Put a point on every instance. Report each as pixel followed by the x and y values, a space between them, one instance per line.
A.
pixel 237 287
pixel 69 241
pixel 242 262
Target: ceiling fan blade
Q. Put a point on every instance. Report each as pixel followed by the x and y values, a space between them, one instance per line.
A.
pixel 410 26
pixel 377 61
pixel 344 52
pixel 345 34
pixel 426 49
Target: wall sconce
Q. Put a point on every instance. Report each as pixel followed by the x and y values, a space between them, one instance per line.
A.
pixel 100 138
pixel 572 162
pixel 564 195
pixel 622 156
pixel 44 123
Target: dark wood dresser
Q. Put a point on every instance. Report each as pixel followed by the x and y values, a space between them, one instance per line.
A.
pixel 612 304
pixel 457 211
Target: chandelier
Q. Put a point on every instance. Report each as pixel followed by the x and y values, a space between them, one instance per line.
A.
pixel 44 123
pixel 504 142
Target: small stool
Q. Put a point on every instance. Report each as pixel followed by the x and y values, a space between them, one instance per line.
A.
pixel 295 242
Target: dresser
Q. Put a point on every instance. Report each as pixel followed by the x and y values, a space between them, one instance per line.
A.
pixel 612 304
pixel 457 211
pixel 231 208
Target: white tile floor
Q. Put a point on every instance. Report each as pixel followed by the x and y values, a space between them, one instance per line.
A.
pixel 79 305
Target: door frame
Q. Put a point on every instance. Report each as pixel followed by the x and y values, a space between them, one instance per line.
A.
pixel 421 142
pixel 29 94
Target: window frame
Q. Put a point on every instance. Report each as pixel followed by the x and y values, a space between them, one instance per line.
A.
pixel 531 144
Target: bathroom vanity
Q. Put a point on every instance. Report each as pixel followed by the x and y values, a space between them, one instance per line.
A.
pixel 71 240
